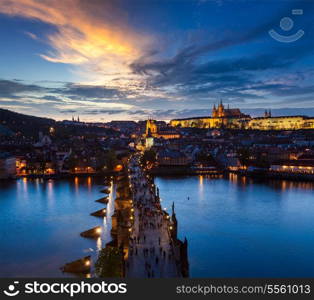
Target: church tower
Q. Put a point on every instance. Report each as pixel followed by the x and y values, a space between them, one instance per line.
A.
pixel 221 110
pixel 151 128
pixel 214 111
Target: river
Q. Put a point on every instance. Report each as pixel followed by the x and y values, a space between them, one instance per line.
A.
pixel 235 227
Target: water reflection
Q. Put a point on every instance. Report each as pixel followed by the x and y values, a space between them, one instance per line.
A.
pixel 282 185
pixel 89 183
pixel 99 244
pixel 76 183
pixel 201 177
pixel 244 227
pixel 235 226
pixel 50 217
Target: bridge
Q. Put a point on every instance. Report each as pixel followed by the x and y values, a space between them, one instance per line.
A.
pixel 144 232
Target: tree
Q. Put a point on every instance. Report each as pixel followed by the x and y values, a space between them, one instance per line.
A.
pixel 110 160
pixel 109 263
pixel 244 156
pixel 149 156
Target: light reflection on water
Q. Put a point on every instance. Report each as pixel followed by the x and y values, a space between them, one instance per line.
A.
pixel 41 221
pixel 236 227
pixel 240 227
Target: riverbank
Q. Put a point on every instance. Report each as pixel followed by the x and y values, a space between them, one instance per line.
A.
pixel 265 174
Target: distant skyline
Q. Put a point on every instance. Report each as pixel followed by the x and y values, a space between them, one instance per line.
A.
pixel 110 60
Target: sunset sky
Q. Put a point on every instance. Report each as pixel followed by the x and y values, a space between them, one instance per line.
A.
pixel 111 60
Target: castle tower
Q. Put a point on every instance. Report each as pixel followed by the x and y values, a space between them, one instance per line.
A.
pixel 221 110
pixel 214 111
pixel 266 114
pixel 269 114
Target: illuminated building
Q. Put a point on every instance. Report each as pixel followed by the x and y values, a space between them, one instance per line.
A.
pixel 294 167
pixel 221 118
pixel 235 119
pixel 153 130
pixel 281 123
pixel 83 170
pixel 222 112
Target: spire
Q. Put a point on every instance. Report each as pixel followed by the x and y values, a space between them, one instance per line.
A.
pixel 173 213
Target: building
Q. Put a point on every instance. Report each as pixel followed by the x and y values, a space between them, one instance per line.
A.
pixel 154 131
pixel 294 166
pixel 222 112
pixel 169 157
pixel 165 132
pixel 234 119
pixel 280 123
pixel 221 118
pixel 7 166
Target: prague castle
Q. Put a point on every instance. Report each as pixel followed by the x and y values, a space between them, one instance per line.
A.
pixel 234 119
pixel 221 112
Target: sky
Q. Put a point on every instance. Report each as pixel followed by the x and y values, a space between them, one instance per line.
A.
pixel 108 60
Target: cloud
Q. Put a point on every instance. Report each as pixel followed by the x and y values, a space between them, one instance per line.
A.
pixel 92 34
pixel 51 98
pixel 31 35
pixel 83 91
pixel 128 74
pixel 12 88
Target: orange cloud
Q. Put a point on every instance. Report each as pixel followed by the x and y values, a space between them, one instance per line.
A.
pixel 92 35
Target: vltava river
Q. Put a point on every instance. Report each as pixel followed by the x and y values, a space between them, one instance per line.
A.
pixel 41 221
pixel 244 228
pixel 235 227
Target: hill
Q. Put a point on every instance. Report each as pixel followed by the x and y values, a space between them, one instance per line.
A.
pixel 24 124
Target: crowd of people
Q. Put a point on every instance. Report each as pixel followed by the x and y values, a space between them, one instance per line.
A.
pixel 150 247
